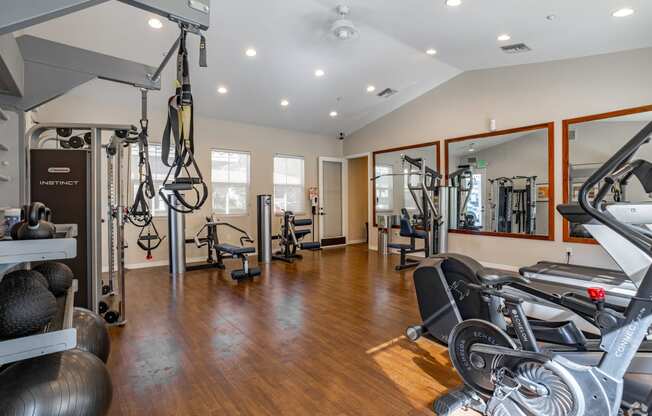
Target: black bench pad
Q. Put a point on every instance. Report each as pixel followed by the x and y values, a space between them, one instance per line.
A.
pixel 231 249
pixel 399 246
pixel 301 233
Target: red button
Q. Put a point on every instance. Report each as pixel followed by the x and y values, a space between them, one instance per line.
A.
pixel 597 294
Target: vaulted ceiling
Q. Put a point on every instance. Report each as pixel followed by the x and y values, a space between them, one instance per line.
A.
pixel 293 40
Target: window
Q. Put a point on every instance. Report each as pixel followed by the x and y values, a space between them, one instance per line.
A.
pixel 159 172
pixel 289 184
pixel 230 175
pixel 384 187
pixel 410 180
pixel 475 205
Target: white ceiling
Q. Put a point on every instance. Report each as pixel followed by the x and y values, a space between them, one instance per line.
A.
pixel 292 40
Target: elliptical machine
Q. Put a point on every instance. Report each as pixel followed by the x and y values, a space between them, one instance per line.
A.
pixel 517 374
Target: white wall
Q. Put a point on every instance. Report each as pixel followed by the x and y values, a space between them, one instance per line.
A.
pixel 262 142
pixel 517 96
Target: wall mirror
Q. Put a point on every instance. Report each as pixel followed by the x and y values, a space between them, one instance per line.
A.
pixel 392 183
pixel 502 183
pixel 587 143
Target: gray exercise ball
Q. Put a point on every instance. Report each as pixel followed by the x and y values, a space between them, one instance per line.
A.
pixel 70 383
pixel 92 333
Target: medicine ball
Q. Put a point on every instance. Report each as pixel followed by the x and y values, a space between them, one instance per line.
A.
pixel 70 383
pixel 26 307
pixel 92 333
pixel 58 275
pixel 9 278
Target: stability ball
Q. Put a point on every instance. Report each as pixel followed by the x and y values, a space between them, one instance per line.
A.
pixel 70 383
pixel 92 333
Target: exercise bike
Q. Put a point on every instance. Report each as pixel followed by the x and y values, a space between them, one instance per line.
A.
pixel 507 370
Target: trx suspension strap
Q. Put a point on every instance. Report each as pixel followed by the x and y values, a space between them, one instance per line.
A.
pixel 140 214
pixel 179 135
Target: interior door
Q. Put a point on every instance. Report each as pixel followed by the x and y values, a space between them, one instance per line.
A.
pixel 332 174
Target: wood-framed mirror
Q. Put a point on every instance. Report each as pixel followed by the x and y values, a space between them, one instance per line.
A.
pixel 587 143
pixel 502 183
pixel 391 192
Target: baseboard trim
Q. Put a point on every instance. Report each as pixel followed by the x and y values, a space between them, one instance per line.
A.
pixel 159 263
pixel 357 241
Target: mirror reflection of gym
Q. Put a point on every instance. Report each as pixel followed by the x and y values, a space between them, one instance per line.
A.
pixel 500 182
pixel 589 142
pixel 392 188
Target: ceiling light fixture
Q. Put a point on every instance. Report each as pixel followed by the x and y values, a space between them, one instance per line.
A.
pixel 431 52
pixel 333 114
pixel 251 52
pixel 285 103
pixel 371 88
pixel 222 90
pixel 624 12
pixel 320 73
pixel 504 37
pixel 155 23
pixel 453 3
pixel 343 28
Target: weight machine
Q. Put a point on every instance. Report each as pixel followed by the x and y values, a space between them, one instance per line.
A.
pixel 218 252
pixel 513 204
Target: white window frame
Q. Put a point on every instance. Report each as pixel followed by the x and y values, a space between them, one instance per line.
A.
pixel 134 177
pixel 303 208
pixel 248 184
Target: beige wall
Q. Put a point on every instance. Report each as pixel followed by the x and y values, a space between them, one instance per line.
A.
pixel 358 199
pixel 262 142
pixel 516 96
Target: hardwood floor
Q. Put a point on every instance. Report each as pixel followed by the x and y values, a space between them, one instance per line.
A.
pixel 322 336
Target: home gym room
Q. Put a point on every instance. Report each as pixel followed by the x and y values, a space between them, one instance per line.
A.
pixel 325 207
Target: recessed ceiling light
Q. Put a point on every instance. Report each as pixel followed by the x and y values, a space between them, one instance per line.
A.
pixel 624 12
pixel 333 114
pixel 320 73
pixel 371 88
pixel 431 52
pixel 251 52
pixel 453 3
pixel 504 37
pixel 154 23
pixel 285 103
pixel 222 90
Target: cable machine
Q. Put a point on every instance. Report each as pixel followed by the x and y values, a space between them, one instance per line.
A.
pixel 513 204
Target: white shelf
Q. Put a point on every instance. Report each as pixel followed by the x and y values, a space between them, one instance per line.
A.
pixel 43 344
pixel 15 252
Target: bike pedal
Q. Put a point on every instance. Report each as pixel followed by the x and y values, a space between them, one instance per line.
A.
pixel 452 402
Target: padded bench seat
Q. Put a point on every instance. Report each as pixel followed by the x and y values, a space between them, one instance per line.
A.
pixel 399 246
pixel 231 249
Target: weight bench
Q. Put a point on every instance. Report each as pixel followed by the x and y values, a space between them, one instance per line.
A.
pixel 238 252
pixel 407 230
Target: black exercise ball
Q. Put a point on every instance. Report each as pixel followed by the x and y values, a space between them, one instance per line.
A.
pixel 26 307
pixel 9 278
pixel 70 383
pixel 59 276
pixel 92 333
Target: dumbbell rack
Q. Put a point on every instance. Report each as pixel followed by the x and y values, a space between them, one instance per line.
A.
pixel 15 254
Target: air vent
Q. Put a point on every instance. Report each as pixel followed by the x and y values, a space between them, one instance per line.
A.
pixel 516 48
pixel 386 93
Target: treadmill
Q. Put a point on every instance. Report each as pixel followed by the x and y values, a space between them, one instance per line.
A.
pixel 560 277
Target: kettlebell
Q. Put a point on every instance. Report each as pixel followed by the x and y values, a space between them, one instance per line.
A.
pixel 36 225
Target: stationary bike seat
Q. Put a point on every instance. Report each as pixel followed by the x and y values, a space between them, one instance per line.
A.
pixel 495 277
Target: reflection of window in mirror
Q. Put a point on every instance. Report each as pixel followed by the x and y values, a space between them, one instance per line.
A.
pixel 410 181
pixel 384 186
pixel 494 182
pixel 590 141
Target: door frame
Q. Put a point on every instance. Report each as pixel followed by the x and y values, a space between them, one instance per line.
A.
pixel 370 190
pixel 345 192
